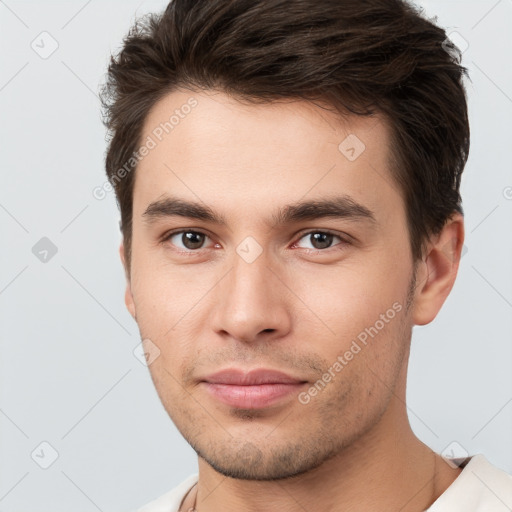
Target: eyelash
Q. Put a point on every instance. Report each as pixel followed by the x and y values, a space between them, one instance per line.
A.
pixel 193 252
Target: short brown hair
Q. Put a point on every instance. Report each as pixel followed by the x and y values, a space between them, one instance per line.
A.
pixel 360 56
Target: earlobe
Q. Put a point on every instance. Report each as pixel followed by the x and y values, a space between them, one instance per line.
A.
pixel 128 300
pixel 438 270
pixel 128 297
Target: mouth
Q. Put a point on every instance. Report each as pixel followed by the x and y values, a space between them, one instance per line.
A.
pixel 254 389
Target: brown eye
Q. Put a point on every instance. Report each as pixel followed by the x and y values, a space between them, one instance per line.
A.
pixel 187 239
pixel 320 240
pixel 192 239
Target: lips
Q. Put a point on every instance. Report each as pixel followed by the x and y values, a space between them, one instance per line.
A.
pixel 255 389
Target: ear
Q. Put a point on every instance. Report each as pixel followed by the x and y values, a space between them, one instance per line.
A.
pixel 438 269
pixel 128 297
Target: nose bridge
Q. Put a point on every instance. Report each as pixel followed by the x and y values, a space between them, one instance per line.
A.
pixel 249 282
pixel 257 269
pixel 250 298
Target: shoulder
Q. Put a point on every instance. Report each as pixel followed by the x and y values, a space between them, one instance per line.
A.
pixel 170 501
pixel 480 487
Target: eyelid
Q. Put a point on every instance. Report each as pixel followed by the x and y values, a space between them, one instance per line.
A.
pixel 345 239
pixel 168 234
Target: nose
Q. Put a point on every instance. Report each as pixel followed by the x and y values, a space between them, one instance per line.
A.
pixel 252 302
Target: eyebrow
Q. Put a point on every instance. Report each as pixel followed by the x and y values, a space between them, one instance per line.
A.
pixel 341 207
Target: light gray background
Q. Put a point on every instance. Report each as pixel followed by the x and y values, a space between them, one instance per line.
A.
pixel 69 376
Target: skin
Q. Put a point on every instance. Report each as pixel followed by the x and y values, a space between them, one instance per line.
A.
pixel 294 308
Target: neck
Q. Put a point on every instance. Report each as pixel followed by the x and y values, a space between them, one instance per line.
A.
pixel 388 468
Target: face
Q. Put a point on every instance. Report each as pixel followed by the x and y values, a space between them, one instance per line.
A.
pixel 271 272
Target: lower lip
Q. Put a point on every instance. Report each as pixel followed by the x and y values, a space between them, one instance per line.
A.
pixel 252 397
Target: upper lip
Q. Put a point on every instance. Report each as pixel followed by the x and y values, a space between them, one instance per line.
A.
pixel 238 377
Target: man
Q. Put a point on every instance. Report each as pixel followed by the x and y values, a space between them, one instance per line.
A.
pixel 288 178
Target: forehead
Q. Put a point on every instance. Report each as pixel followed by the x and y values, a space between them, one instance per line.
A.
pixel 210 147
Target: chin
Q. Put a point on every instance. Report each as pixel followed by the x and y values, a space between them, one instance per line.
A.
pixel 248 462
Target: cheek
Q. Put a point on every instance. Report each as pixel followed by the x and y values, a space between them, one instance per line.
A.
pixel 347 300
pixel 162 318
pixel 166 297
pixel 365 368
pixel 362 337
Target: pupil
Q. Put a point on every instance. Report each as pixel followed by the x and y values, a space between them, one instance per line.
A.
pixel 192 240
pixel 321 240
